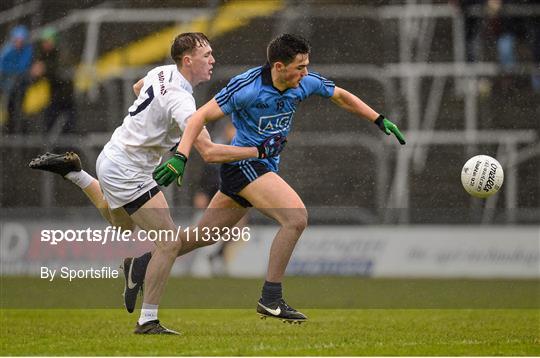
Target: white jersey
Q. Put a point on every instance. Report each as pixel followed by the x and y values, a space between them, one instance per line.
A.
pixel 155 120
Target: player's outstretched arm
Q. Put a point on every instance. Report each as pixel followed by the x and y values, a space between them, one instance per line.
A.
pixel 353 104
pixel 220 153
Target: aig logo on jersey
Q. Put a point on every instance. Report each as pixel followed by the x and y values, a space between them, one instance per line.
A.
pixel 277 123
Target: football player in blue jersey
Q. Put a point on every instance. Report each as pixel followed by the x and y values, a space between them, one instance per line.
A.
pixel 262 101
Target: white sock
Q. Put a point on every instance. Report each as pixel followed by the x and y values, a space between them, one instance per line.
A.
pixel 82 179
pixel 148 313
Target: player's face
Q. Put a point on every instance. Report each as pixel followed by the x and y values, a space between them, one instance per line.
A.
pixel 294 72
pixel 202 63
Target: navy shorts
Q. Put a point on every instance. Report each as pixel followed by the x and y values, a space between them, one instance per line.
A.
pixel 235 177
pixel 136 204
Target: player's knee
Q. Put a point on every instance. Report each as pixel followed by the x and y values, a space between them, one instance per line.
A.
pixel 296 219
pixel 170 248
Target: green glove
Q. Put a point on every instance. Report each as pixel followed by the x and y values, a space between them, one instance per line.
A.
pixel 388 127
pixel 172 169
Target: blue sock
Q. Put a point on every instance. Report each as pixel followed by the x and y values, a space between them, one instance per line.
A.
pixel 271 292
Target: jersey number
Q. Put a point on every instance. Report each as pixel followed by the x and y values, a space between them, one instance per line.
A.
pixel 145 103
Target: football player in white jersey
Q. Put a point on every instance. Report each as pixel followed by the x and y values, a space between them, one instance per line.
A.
pixel 126 191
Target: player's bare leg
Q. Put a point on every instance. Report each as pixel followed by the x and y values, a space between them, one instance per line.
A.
pixel 275 198
pixel 116 217
pixel 222 212
pixel 226 214
pixel 155 215
pixel 68 165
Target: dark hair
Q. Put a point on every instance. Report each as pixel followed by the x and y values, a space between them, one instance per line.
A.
pixel 187 42
pixel 285 47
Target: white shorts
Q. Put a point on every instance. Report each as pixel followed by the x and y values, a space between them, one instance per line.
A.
pixel 121 185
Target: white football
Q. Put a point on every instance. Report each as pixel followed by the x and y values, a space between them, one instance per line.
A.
pixel 482 176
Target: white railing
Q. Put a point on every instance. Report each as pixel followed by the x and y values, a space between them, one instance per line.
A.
pixel 417 25
pixel 19 11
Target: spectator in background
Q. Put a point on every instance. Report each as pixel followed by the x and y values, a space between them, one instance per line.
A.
pixel 473 28
pixel 502 33
pixel 15 62
pixel 506 30
pixel 511 31
pixel 51 65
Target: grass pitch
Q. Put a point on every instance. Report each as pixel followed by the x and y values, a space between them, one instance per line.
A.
pixel 210 332
pixel 348 316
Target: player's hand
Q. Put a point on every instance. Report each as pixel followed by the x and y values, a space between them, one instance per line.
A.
pixel 172 169
pixel 388 127
pixel 272 146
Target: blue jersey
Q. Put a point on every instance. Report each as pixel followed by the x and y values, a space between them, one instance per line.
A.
pixel 259 110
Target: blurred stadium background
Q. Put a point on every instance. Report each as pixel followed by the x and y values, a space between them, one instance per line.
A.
pixel 376 209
